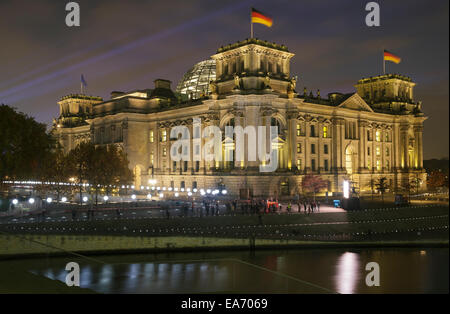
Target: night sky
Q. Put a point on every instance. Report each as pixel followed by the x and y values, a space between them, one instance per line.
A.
pixel 125 45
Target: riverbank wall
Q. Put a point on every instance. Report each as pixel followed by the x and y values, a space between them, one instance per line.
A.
pixel 21 246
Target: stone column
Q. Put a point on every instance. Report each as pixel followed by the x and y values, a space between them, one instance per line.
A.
pixel 292 138
pixel 336 144
pixel 404 160
pixel 307 147
pixel 418 131
pixel 362 147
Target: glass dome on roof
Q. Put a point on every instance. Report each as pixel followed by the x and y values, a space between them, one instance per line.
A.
pixel 195 82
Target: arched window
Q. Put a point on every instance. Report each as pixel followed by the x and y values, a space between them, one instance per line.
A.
pixel 276 122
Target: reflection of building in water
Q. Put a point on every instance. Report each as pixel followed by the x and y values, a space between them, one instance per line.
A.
pixel 371 133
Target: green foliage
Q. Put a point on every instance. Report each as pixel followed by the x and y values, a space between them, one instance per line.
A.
pixel 99 166
pixel 382 186
pixel 24 145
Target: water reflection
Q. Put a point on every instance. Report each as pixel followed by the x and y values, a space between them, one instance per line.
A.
pixel 348 270
pixel 300 271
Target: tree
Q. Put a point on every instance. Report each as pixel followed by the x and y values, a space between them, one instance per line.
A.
pixel 99 166
pixel 55 173
pixel 372 186
pixel 24 145
pixel 382 186
pixel 436 179
pixel 314 184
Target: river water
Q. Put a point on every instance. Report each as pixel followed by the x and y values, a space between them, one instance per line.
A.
pixel 284 271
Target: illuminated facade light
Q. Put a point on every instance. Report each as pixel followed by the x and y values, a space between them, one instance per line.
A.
pixel 346 189
pixel 49 200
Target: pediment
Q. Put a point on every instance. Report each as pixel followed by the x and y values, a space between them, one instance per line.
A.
pixel 355 102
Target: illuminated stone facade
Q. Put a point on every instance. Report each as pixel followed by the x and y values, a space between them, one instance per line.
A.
pixel 375 132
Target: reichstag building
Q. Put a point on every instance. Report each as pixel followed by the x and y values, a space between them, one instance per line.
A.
pixel 371 133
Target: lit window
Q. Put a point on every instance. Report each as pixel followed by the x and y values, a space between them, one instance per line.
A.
pixel 299 130
pixel 387 164
pixel 299 148
pixel 152 159
pixel 378 152
pixel 325 131
pixel 299 164
pixel 152 136
pixel 378 165
pixel 387 136
pixel 164 152
pixel 163 136
pixel 378 136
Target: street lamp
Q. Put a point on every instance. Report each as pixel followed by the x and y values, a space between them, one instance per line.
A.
pixel 85 199
pixel 149 196
pixel 49 200
pixel 64 199
pixel 31 201
pixel 15 201
pixel 105 198
pixel 133 196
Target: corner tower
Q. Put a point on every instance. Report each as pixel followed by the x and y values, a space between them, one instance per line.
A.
pixel 390 92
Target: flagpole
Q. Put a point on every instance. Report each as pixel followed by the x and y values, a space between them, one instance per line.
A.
pixel 384 64
pixel 251 24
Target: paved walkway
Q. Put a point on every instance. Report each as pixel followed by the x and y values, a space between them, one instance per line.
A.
pixel 323 209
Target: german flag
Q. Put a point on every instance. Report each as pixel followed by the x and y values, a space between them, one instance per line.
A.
pixel 388 56
pixel 258 17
